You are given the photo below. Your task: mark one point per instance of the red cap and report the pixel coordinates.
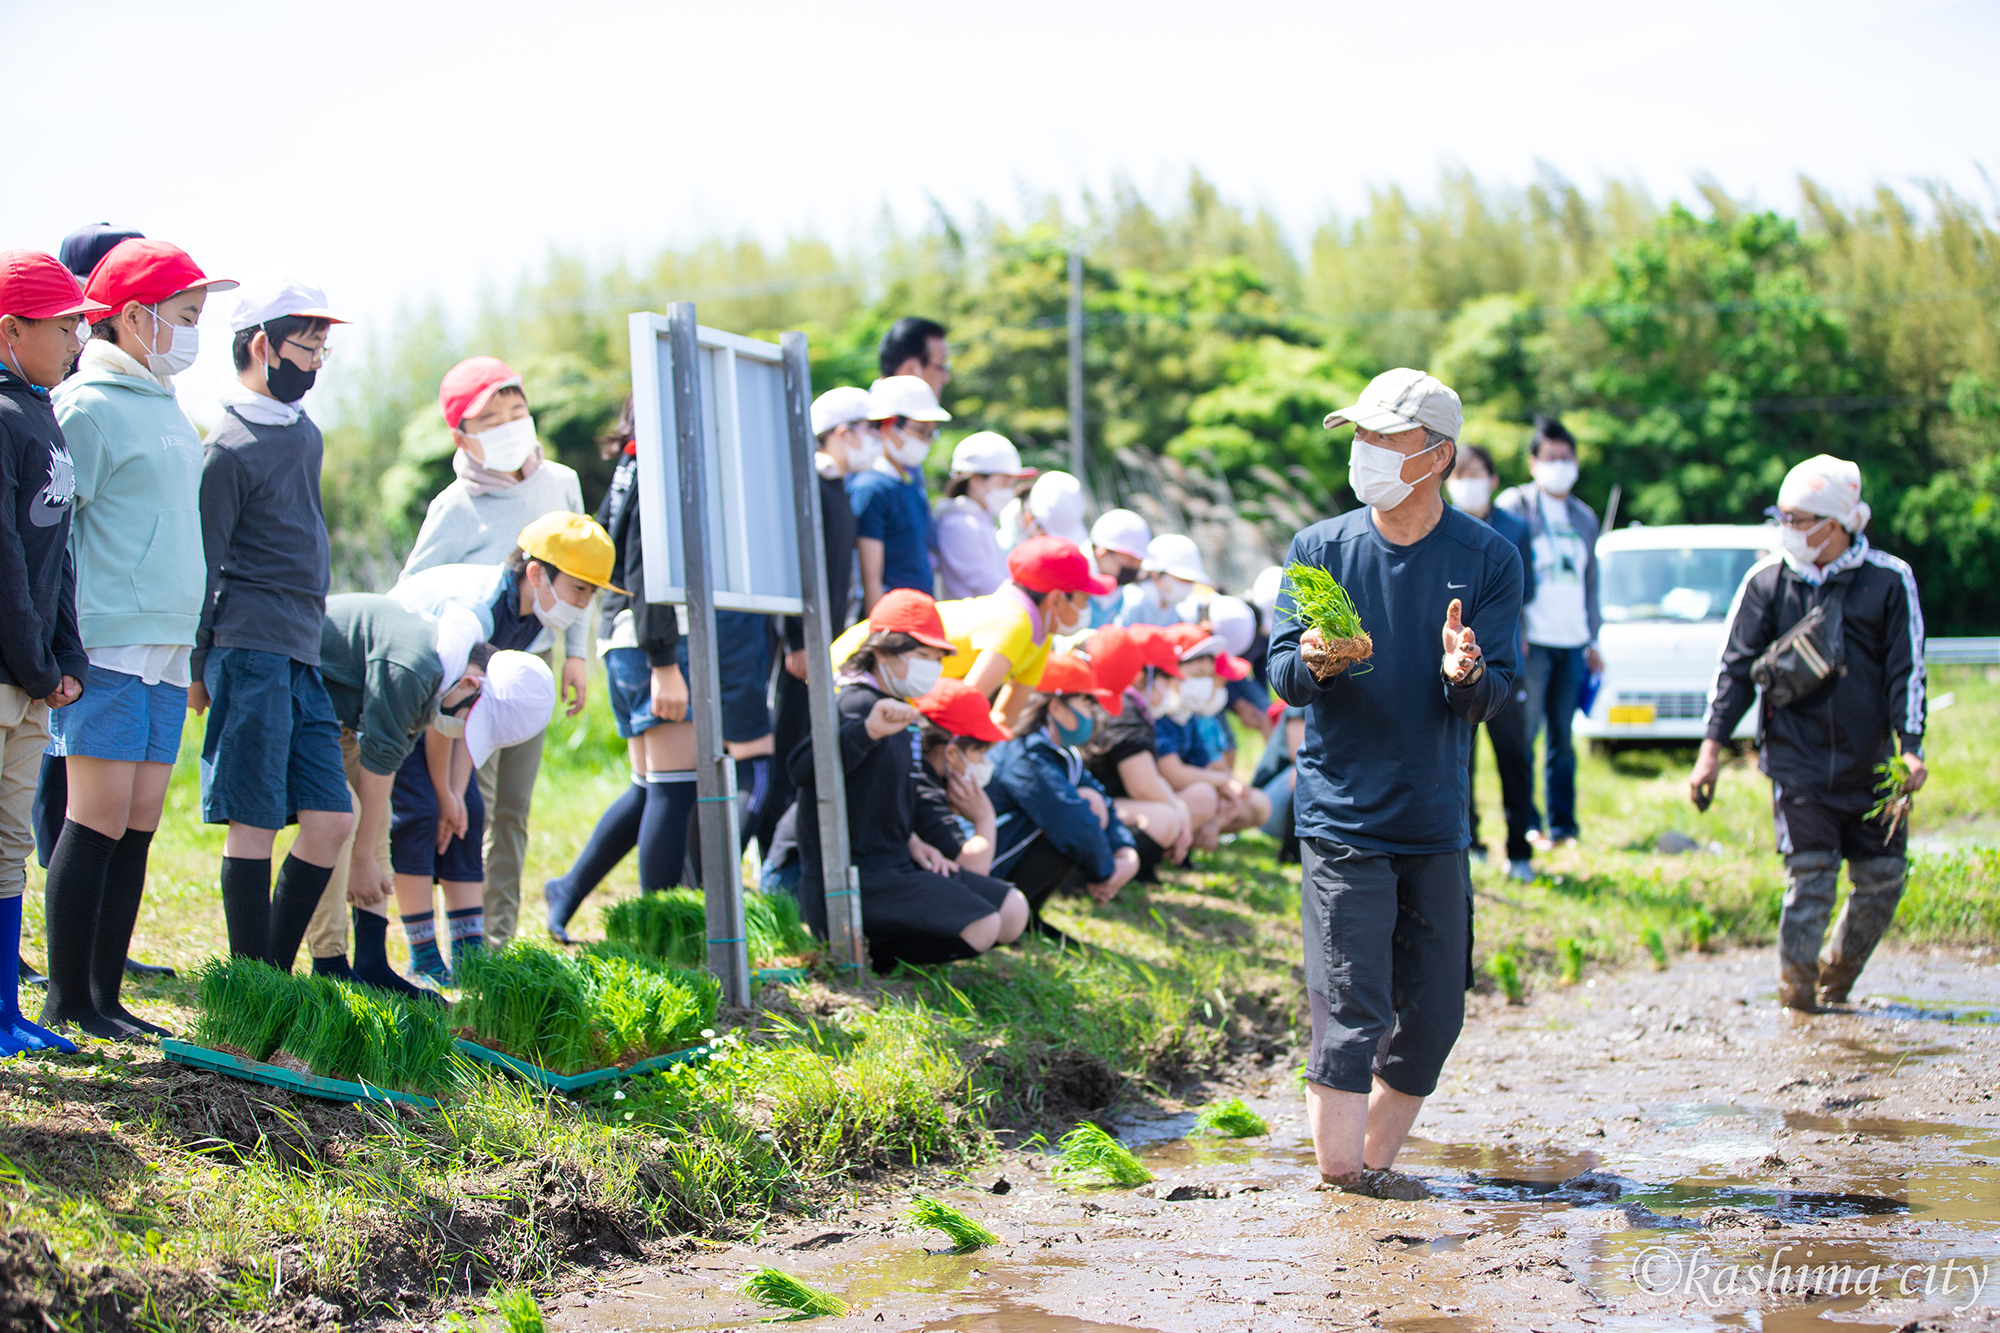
(1194, 641)
(961, 710)
(1117, 659)
(147, 272)
(36, 286)
(907, 611)
(1156, 649)
(470, 383)
(1055, 564)
(1065, 674)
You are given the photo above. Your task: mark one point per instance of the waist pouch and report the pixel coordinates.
(1805, 657)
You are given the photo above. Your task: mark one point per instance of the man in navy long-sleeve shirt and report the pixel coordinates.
(1380, 792)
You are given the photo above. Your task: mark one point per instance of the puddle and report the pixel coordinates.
(1927, 1011)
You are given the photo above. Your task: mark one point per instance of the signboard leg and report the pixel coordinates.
(715, 773)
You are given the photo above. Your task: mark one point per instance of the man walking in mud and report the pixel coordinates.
(1833, 632)
(1380, 793)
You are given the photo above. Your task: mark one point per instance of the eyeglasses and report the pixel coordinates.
(1796, 522)
(317, 355)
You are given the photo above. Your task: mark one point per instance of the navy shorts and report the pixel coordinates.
(273, 744)
(628, 680)
(121, 717)
(743, 650)
(413, 827)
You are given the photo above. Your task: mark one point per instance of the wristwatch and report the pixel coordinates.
(1472, 677)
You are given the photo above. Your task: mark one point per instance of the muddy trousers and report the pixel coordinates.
(1804, 971)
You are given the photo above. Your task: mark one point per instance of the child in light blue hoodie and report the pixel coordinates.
(140, 576)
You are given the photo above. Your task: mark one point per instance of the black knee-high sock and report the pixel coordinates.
(118, 912)
(663, 829)
(617, 833)
(753, 779)
(371, 957)
(300, 886)
(246, 905)
(72, 899)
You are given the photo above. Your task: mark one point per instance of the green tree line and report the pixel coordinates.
(1698, 349)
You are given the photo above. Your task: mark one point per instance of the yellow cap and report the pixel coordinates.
(574, 544)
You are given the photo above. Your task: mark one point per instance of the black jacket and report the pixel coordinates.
(39, 640)
(837, 524)
(1825, 746)
(657, 628)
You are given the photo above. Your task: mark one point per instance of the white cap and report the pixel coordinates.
(1829, 487)
(513, 705)
(986, 452)
(839, 407)
(1171, 553)
(457, 629)
(1401, 399)
(904, 396)
(1264, 592)
(1233, 622)
(1122, 531)
(261, 302)
(1055, 502)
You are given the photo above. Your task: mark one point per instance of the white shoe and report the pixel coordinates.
(1524, 871)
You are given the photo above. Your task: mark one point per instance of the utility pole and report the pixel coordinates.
(1076, 449)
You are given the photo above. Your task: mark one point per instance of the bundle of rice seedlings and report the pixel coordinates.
(1892, 791)
(773, 929)
(674, 926)
(1506, 973)
(643, 1006)
(519, 1311)
(244, 1004)
(1321, 603)
(788, 1293)
(606, 1005)
(330, 1032)
(1088, 1151)
(1569, 956)
(1656, 945)
(1700, 928)
(1231, 1119)
(964, 1233)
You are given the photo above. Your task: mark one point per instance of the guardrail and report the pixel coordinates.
(1962, 652)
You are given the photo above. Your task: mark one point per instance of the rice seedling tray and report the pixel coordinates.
(310, 1085)
(782, 976)
(534, 1073)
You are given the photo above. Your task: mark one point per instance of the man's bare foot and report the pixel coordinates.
(1373, 1184)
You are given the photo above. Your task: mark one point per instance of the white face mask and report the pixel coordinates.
(1470, 493)
(979, 770)
(1555, 475)
(1799, 547)
(864, 446)
(997, 498)
(183, 345)
(447, 725)
(908, 451)
(1199, 695)
(559, 616)
(919, 675)
(1176, 705)
(1376, 474)
(1171, 590)
(506, 447)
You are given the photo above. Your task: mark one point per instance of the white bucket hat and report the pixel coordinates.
(1122, 531)
(1171, 553)
(904, 396)
(513, 705)
(1056, 502)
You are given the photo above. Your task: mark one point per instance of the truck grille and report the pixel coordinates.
(1666, 704)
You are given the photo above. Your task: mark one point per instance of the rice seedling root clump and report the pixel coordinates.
(1231, 1119)
(774, 1287)
(964, 1233)
(1320, 601)
(1087, 1152)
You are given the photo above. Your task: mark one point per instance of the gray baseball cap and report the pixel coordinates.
(1400, 399)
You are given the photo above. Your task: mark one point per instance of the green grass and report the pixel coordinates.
(1231, 1120)
(1090, 1155)
(571, 1012)
(786, 1292)
(964, 1234)
(674, 926)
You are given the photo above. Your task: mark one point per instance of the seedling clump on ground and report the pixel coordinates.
(1506, 974)
(572, 1012)
(674, 926)
(1700, 926)
(1231, 1119)
(788, 1293)
(1322, 604)
(1570, 960)
(1656, 945)
(964, 1233)
(1088, 1151)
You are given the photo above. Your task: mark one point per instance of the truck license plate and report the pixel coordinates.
(1631, 715)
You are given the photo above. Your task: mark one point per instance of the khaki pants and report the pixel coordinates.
(24, 734)
(326, 937)
(507, 784)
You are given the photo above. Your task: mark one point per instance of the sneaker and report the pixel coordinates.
(1522, 871)
(555, 892)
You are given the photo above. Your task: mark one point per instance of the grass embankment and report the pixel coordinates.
(136, 1193)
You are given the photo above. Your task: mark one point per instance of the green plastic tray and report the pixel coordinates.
(311, 1085)
(575, 1082)
(781, 975)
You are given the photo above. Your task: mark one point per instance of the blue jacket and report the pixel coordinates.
(1034, 794)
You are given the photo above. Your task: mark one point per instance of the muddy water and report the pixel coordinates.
(1651, 1151)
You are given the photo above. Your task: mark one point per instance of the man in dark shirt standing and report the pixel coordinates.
(1380, 794)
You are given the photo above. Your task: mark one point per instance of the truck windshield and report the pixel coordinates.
(1693, 583)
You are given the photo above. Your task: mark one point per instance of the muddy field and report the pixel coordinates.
(1650, 1150)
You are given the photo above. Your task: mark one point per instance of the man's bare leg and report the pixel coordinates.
(1353, 1133)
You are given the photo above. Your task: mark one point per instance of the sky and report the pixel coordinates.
(396, 152)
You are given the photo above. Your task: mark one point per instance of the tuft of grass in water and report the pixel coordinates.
(1505, 970)
(781, 1289)
(674, 926)
(1322, 603)
(519, 1311)
(1231, 1119)
(341, 1030)
(606, 1005)
(964, 1233)
(1700, 927)
(1569, 954)
(1656, 945)
(245, 1004)
(1088, 1151)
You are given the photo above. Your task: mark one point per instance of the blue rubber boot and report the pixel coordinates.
(17, 1034)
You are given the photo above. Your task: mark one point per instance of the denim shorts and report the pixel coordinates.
(272, 747)
(413, 826)
(121, 717)
(743, 650)
(628, 680)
